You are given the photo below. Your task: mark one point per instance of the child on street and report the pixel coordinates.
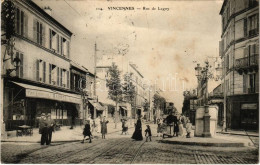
(148, 133)
(87, 132)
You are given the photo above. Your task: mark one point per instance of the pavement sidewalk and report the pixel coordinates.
(65, 134)
(238, 132)
(219, 140)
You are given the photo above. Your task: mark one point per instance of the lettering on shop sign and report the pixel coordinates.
(51, 96)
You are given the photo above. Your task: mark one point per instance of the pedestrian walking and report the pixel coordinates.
(103, 124)
(43, 129)
(87, 132)
(176, 126)
(188, 128)
(124, 126)
(97, 124)
(148, 133)
(50, 125)
(137, 135)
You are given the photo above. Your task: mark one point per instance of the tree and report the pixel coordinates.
(129, 89)
(114, 85)
(159, 102)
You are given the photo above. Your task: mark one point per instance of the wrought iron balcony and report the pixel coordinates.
(247, 61)
(247, 64)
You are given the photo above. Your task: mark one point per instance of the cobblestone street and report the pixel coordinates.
(118, 149)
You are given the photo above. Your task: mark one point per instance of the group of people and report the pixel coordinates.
(137, 135)
(178, 125)
(98, 125)
(46, 127)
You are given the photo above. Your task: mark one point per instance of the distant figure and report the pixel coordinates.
(87, 132)
(103, 124)
(154, 119)
(97, 124)
(137, 135)
(148, 133)
(125, 126)
(181, 129)
(43, 129)
(159, 127)
(176, 126)
(188, 128)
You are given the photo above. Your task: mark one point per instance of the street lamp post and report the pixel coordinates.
(203, 76)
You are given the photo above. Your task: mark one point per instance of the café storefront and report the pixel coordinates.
(24, 104)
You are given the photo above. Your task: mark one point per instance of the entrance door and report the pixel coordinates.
(249, 119)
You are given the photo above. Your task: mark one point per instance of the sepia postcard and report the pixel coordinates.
(129, 81)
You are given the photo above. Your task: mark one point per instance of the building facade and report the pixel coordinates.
(239, 51)
(40, 83)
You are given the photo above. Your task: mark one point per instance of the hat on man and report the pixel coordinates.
(43, 114)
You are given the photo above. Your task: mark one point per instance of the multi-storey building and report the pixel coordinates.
(140, 98)
(40, 83)
(239, 51)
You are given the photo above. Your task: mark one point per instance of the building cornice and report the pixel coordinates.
(40, 11)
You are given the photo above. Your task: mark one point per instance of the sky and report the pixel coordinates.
(165, 45)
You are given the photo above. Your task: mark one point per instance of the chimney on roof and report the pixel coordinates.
(48, 10)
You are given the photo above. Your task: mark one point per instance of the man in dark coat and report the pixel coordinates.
(43, 129)
(50, 125)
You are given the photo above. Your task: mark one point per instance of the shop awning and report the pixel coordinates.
(97, 105)
(45, 93)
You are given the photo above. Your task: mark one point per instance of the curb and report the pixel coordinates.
(233, 144)
(230, 133)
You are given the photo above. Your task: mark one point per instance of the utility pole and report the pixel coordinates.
(95, 76)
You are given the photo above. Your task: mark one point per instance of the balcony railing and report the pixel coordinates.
(247, 61)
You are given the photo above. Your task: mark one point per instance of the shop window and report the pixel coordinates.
(59, 114)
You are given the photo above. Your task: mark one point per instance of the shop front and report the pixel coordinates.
(99, 108)
(24, 104)
(243, 112)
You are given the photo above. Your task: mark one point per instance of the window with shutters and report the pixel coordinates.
(53, 74)
(252, 82)
(245, 27)
(50, 70)
(53, 40)
(58, 76)
(19, 70)
(68, 79)
(64, 47)
(245, 83)
(41, 71)
(253, 25)
(21, 22)
(39, 32)
(64, 78)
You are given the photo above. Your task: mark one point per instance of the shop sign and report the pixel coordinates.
(51, 96)
(249, 106)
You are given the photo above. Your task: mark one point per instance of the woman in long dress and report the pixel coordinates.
(180, 128)
(138, 130)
